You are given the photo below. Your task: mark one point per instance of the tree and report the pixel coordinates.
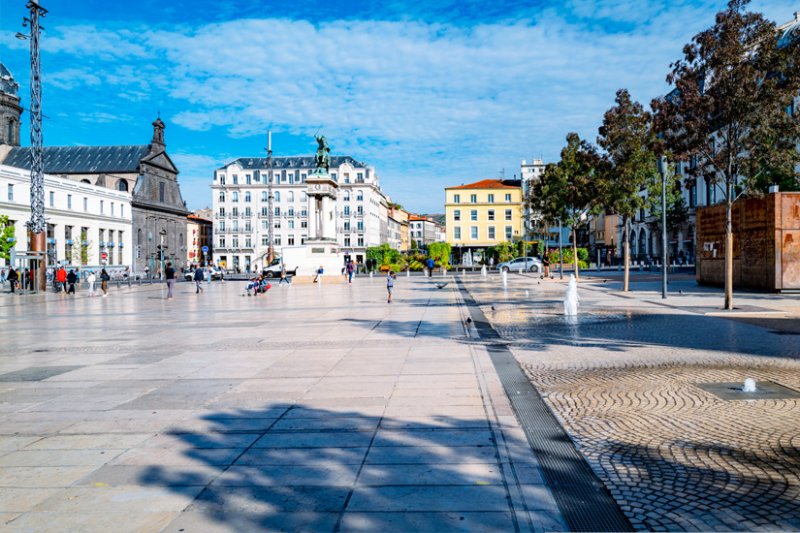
(566, 190)
(630, 164)
(729, 108)
(6, 237)
(440, 253)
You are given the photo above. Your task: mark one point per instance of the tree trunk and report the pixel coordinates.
(575, 253)
(729, 244)
(626, 260)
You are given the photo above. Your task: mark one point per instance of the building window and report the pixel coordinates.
(161, 189)
(277, 240)
(235, 179)
(235, 212)
(290, 196)
(360, 241)
(491, 234)
(235, 198)
(248, 212)
(491, 214)
(473, 198)
(222, 225)
(508, 233)
(456, 233)
(277, 196)
(457, 215)
(347, 242)
(360, 225)
(222, 211)
(265, 211)
(10, 192)
(360, 210)
(359, 196)
(347, 197)
(235, 241)
(222, 241)
(473, 214)
(85, 204)
(102, 207)
(247, 179)
(290, 240)
(473, 233)
(508, 198)
(508, 214)
(277, 224)
(347, 225)
(277, 211)
(69, 202)
(264, 196)
(491, 198)
(122, 210)
(248, 240)
(52, 199)
(304, 224)
(347, 210)
(693, 194)
(290, 224)
(221, 196)
(222, 179)
(456, 198)
(122, 185)
(247, 197)
(112, 209)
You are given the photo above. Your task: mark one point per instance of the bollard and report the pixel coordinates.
(408, 273)
(505, 278)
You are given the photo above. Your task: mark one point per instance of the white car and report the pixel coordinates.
(528, 264)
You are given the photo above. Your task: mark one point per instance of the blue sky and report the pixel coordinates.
(431, 93)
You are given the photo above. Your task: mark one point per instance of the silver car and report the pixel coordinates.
(528, 264)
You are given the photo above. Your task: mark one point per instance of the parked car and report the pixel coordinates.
(529, 264)
(216, 274)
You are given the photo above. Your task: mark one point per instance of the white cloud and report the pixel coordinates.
(429, 104)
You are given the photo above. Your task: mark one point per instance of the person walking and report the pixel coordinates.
(430, 264)
(351, 268)
(104, 279)
(169, 274)
(198, 280)
(91, 279)
(546, 265)
(72, 278)
(12, 278)
(61, 279)
(390, 277)
(284, 278)
(318, 277)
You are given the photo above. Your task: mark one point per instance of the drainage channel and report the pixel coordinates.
(582, 498)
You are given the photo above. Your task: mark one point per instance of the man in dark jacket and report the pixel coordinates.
(169, 274)
(12, 278)
(198, 279)
(72, 278)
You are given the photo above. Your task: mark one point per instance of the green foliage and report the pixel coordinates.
(568, 188)
(80, 253)
(384, 255)
(502, 252)
(630, 160)
(6, 237)
(415, 266)
(440, 253)
(583, 257)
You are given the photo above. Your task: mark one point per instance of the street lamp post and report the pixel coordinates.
(270, 200)
(662, 163)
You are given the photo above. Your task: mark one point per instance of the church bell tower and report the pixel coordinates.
(10, 110)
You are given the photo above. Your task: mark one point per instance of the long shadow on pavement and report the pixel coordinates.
(303, 468)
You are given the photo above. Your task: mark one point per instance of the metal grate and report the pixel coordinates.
(582, 498)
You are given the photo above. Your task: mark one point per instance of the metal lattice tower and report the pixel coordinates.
(37, 223)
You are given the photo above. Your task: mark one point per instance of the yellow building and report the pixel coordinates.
(482, 214)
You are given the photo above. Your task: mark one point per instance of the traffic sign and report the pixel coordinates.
(103, 255)
(205, 249)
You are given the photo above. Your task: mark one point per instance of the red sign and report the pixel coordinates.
(103, 255)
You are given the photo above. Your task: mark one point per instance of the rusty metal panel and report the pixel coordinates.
(790, 259)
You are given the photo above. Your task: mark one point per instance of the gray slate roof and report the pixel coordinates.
(82, 159)
(293, 162)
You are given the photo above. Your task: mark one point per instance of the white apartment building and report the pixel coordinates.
(424, 230)
(87, 225)
(240, 196)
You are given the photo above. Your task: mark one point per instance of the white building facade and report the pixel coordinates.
(240, 196)
(87, 225)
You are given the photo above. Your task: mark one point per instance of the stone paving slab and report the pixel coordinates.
(312, 409)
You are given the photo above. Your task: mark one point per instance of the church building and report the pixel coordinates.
(145, 171)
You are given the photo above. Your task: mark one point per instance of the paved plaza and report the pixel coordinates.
(314, 408)
(323, 408)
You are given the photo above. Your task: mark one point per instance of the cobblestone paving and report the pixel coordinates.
(623, 382)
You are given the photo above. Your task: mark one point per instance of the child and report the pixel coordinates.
(318, 277)
(390, 277)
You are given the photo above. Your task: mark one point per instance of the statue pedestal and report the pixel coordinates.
(321, 249)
